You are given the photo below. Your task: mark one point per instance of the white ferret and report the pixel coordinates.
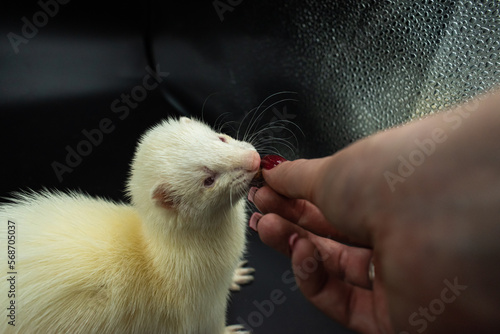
(163, 264)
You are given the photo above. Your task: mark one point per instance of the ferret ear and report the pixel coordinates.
(185, 120)
(162, 196)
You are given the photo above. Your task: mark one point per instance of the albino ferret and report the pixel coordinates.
(163, 264)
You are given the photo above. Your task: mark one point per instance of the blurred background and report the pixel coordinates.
(80, 81)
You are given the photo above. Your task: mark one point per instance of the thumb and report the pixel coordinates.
(296, 179)
(332, 185)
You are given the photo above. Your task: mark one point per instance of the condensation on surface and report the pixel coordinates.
(467, 62)
(379, 64)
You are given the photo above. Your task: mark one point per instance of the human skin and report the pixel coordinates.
(433, 234)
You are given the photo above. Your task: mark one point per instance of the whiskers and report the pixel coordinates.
(238, 189)
(271, 136)
(269, 127)
(220, 125)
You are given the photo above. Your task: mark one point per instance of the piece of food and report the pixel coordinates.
(267, 162)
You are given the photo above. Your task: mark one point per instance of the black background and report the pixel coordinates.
(340, 70)
(64, 80)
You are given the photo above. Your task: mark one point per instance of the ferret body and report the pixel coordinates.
(163, 264)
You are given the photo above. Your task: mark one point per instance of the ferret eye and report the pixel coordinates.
(209, 181)
(222, 139)
(210, 177)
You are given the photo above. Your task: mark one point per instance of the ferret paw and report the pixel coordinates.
(240, 329)
(242, 275)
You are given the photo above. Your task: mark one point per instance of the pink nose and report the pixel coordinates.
(255, 161)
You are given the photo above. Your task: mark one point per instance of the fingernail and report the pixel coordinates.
(271, 161)
(254, 219)
(292, 241)
(251, 193)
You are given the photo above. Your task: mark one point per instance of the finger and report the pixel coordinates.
(301, 212)
(310, 273)
(333, 184)
(275, 232)
(349, 264)
(297, 179)
(351, 306)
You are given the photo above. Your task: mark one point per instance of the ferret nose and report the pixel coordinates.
(255, 162)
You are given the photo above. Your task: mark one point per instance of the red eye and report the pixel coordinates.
(209, 181)
(210, 177)
(222, 139)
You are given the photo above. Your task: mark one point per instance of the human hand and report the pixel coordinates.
(421, 201)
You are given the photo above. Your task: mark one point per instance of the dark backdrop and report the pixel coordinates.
(329, 72)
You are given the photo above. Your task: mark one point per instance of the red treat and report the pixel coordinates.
(271, 161)
(267, 162)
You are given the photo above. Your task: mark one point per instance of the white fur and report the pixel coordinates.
(161, 265)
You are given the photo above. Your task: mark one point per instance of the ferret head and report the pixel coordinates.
(184, 168)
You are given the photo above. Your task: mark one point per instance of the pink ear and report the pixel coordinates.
(163, 197)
